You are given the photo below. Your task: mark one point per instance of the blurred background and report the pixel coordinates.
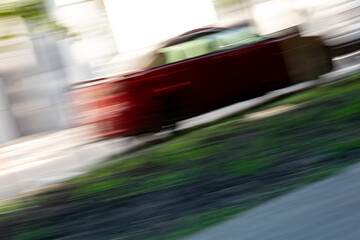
(46, 45)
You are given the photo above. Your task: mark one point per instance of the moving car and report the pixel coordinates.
(194, 73)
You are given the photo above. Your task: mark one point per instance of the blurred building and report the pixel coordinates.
(36, 69)
(107, 36)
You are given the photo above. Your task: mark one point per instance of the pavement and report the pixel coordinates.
(37, 161)
(50, 159)
(326, 210)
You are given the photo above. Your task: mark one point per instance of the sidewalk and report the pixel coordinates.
(53, 158)
(327, 210)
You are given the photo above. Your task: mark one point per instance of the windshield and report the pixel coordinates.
(202, 45)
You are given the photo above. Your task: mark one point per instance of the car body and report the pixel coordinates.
(195, 73)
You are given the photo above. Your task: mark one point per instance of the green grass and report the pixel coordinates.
(324, 172)
(15, 206)
(34, 233)
(201, 221)
(248, 166)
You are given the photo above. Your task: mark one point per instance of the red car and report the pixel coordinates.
(195, 73)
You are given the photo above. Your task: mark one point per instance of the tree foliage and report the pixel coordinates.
(34, 12)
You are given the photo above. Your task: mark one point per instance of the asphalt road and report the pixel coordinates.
(327, 210)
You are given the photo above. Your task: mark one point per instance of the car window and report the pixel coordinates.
(233, 38)
(204, 45)
(181, 52)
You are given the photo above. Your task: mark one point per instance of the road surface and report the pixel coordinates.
(326, 210)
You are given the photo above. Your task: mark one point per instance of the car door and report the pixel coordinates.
(257, 69)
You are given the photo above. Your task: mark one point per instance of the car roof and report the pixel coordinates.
(191, 35)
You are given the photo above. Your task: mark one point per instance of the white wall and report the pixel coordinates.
(141, 23)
